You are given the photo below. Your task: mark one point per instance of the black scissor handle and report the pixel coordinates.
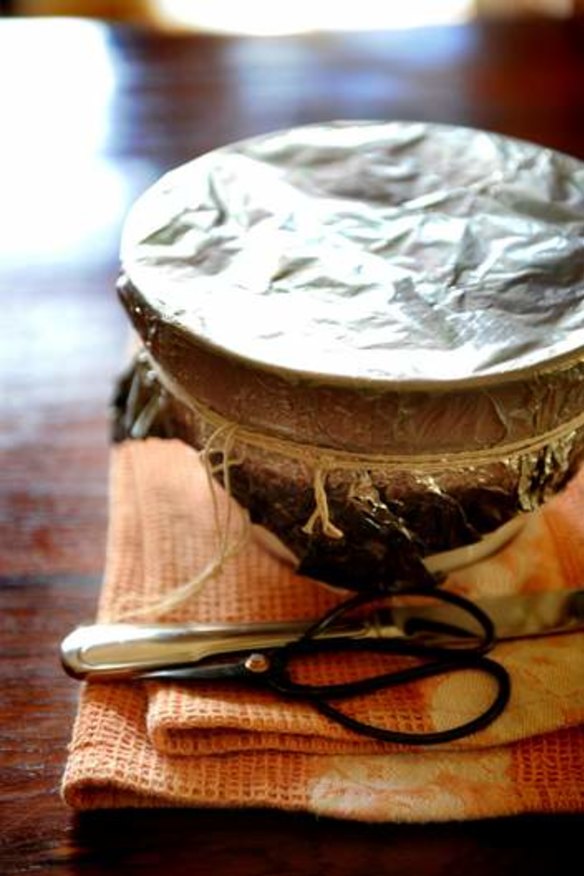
(435, 661)
(435, 737)
(479, 643)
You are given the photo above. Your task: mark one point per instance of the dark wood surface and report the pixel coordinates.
(88, 117)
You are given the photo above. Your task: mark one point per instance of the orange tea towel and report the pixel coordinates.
(215, 744)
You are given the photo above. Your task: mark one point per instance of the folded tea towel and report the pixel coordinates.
(217, 744)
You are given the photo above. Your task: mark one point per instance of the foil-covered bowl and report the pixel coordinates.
(386, 319)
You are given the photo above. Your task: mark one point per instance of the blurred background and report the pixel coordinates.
(264, 17)
(90, 115)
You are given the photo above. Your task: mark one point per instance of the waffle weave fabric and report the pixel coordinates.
(213, 744)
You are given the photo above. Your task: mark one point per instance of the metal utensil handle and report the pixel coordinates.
(128, 650)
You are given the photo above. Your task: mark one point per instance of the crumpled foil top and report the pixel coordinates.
(398, 252)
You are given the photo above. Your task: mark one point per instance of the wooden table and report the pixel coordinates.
(89, 116)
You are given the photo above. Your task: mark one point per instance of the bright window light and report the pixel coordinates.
(59, 190)
(266, 18)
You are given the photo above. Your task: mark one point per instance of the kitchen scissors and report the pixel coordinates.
(438, 648)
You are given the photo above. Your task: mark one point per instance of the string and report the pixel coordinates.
(329, 459)
(321, 512)
(228, 542)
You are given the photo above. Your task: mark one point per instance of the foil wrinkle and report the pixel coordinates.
(396, 251)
